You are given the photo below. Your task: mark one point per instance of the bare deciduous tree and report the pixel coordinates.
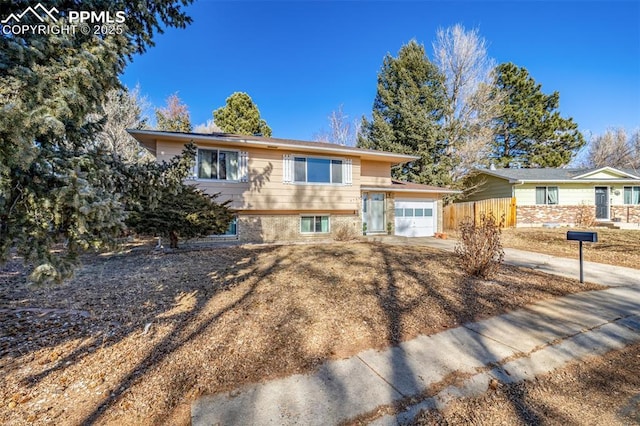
(208, 127)
(341, 130)
(614, 149)
(124, 109)
(175, 116)
(461, 56)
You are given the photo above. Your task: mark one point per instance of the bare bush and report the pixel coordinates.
(585, 216)
(479, 248)
(344, 232)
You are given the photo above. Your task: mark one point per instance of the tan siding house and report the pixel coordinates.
(295, 190)
(562, 195)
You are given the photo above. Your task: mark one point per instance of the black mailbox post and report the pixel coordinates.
(589, 237)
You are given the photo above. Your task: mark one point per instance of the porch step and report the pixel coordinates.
(610, 225)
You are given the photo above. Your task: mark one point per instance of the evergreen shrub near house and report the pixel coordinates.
(60, 194)
(188, 214)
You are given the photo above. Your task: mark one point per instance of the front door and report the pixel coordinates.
(373, 212)
(602, 202)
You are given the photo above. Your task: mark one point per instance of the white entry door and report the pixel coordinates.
(415, 218)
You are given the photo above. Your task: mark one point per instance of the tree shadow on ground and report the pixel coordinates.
(247, 281)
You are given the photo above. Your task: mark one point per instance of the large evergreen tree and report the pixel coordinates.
(407, 113)
(241, 116)
(530, 130)
(56, 185)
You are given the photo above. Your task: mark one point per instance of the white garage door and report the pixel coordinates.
(415, 218)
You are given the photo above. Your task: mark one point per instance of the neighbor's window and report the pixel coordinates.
(546, 195)
(317, 170)
(314, 224)
(632, 194)
(217, 164)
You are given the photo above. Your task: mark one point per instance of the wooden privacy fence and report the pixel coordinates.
(454, 213)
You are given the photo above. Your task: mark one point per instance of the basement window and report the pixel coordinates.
(314, 224)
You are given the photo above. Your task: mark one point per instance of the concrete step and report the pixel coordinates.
(610, 225)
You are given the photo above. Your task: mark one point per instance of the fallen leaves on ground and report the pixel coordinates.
(595, 391)
(136, 336)
(619, 247)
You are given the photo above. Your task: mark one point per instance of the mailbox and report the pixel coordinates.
(587, 237)
(582, 237)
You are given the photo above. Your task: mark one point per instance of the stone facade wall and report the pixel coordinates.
(568, 215)
(626, 214)
(272, 228)
(530, 215)
(390, 213)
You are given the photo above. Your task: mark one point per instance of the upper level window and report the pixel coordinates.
(632, 194)
(317, 170)
(218, 164)
(546, 195)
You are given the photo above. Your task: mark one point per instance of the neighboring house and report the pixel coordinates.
(560, 195)
(291, 190)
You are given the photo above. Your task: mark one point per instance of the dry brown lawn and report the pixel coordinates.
(595, 391)
(136, 336)
(615, 246)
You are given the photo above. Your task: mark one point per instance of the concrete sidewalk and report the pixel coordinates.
(600, 273)
(509, 348)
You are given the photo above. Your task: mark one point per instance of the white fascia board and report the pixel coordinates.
(606, 169)
(425, 191)
(401, 158)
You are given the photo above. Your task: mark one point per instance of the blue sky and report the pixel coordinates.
(299, 60)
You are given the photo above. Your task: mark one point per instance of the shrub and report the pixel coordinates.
(344, 232)
(586, 215)
(188, 214)
(479, 246)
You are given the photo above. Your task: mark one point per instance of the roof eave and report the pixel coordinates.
(602, 181)
(606, 168)
(491, 173)
(380, 155)
(426, 191)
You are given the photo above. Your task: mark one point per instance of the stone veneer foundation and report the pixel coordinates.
(539, 214)
(263, 228)
(626, 214)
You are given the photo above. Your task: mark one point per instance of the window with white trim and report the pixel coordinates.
(547, 195)
(314, 224)
(218, 164)
(316, 170)
(632, 195)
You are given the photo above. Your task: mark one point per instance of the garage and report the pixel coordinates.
(415, 218)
